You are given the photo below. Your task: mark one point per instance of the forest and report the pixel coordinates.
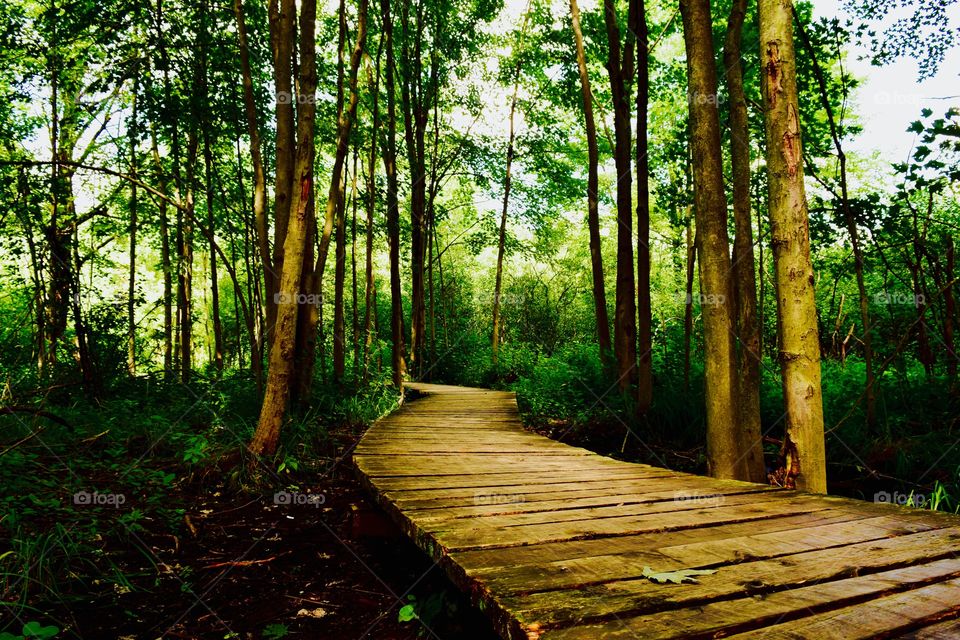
(232, 233)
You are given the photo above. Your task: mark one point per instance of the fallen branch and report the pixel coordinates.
(242, 563)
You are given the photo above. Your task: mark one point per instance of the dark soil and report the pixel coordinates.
(241, 566)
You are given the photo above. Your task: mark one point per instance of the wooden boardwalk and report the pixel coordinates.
(551, 541)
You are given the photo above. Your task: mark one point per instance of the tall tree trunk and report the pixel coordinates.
(502, 238)
(369, 312)
(644, 308)
(134, 204)
(165, 261)
(283, 18)
(266, 436)
(724, 449)
(688, 298)
(593, 185)
(259, 174)
(185, 278)
(950, 311)
(625, 323)
(340, 274)
(214, 279)
(851, 224)
(334, 201)
(803, 463)
(355, 327)
(393, 206)
(924, 353)
(415, 111)
(745, 282)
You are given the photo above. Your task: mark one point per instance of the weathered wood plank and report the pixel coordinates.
(738, 615)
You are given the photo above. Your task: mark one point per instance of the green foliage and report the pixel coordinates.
(32, 631)
(275, 631)
(426, 611)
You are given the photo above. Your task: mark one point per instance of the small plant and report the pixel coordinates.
(32, 631)
(426, 611)
(275, 631)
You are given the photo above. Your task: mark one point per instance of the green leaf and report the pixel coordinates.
(676, 577)
(407, 613)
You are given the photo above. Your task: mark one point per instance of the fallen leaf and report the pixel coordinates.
(676, 577)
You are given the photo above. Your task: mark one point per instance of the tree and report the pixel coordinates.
(744, 281)
(724, 446)
(266, 436)
(593, 184)
(624, 323)
(803, 463)
(501, 238)
(393, 206)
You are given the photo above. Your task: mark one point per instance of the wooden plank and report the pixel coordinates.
(541, 554)
(879, 618)
(607, 567)
(764, 576)
(465, 536)
(948, 630)
(742, 614)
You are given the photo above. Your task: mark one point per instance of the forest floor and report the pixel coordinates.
(242, 566)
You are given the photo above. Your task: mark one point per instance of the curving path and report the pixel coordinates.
(551, 541)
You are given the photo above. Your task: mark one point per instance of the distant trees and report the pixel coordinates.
(209, 206)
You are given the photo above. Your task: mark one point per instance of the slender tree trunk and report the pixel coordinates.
(593, 185)
(369, 312)
(393, 206)
(745, 282)
(334, 201)
(924, 352)
(266, 436)
(214, 279)
(185, 278)
(340, 274)
(803, 463)
(724, 449)
(950, 312)
(132, 273)
(165, 262)
(355, 326)
(415, 101)
(688, 299)
(259, 175)
(283, 18)
(644, 308)
(502, 238)
(625, 323)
